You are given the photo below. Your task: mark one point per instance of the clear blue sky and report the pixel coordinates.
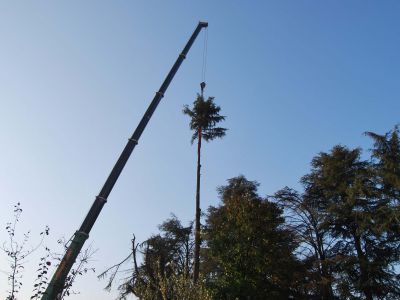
(293, 78)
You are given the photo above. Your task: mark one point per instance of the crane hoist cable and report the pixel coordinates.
(204, 63)
(205, 50)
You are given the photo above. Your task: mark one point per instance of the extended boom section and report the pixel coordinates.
(56, 284)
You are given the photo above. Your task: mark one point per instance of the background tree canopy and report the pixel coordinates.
(336, 239)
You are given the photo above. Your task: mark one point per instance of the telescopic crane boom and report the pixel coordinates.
(56, 284)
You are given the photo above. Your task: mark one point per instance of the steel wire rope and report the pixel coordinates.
(205, 53)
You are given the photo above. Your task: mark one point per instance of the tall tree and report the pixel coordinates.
(249, 252)
(386, 169)
(347, 220)
(347, 189)
(204, 117)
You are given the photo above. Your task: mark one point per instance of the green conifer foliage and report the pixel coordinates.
(250, 254)
(363, 256)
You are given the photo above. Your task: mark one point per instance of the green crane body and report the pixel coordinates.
(57, 282)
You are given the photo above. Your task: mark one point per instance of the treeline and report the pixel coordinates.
(338, 238)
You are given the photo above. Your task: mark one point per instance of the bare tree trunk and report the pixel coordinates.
(327, 291)
(326, 287)
(197, 241)
(363, 263)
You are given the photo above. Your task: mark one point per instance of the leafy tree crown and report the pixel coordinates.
(205, 116)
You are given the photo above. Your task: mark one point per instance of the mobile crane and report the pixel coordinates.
(57, 282)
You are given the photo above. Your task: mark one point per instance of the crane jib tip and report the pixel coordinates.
(203, 24)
